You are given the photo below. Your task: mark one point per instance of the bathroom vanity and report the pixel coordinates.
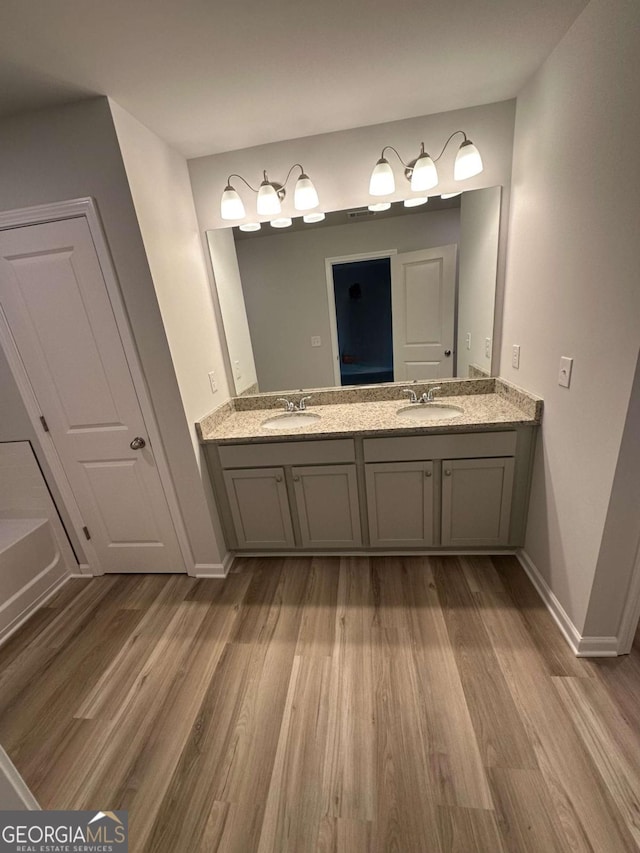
(368, 474)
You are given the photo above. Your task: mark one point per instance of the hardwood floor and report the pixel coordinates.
(335, 705)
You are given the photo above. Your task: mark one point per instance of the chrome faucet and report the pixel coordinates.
(411, 393)
(288, 405)
(428, 397)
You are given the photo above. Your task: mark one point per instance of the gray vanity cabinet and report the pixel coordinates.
(476, 501)
(400, 504)
(259, 507)
(326, 498)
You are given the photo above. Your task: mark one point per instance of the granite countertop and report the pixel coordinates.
(500, 405)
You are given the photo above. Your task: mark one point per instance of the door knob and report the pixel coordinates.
(447, 352)
(138, 443)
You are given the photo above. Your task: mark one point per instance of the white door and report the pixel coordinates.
(56, 303)
(423, 301)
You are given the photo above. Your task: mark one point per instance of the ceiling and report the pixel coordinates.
(209, 76)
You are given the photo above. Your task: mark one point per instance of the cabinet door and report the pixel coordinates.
(259, 506)
(327, 502)
(476, 501)
(400, 503)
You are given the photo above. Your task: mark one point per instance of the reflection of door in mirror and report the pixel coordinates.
(394, 316)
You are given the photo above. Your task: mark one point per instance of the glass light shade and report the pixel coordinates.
(313, 217)
(451, 195)
(416, 202)
(305, 196)
(468, 162)
(250, 226)
(231, 206)
(382, 181)
(380, 206)
(425, 174)
(284, 222)
(268, 200)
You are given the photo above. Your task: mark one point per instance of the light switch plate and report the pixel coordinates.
(487, 347)
(564, 374)
(316, 341)
(515, 356)
(212, 382)
(468, 340)
(236, 369)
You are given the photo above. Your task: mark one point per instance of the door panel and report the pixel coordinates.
(476, 501)
(260, 508)
(56, 302)
(423, 299)
(327, 502)
(400, 503)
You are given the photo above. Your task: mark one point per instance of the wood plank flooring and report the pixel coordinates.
(337, 705)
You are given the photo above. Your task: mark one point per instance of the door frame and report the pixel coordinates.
(331, 298)
(73, 209)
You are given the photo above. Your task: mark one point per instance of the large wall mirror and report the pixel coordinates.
(361, 298)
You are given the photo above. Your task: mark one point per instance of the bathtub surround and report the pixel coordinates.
(35, 555)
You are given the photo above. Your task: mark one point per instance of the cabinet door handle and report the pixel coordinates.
(447, 473)
(427, 473)
(278, 479)
(296, 479)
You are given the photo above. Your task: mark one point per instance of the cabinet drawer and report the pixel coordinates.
(450, 446)
(287, 453)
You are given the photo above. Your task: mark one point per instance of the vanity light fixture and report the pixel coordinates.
(381, 205)
(270, 195)
(422, 172)
(250, 226)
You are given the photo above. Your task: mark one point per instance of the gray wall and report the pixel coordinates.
(572, 290)
(285, 288)
(71, 152)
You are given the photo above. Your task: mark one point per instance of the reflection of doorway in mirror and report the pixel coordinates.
(362, 294)
(392, 315)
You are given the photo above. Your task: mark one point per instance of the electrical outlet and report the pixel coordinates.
(487, 347)
(236, 370)
(515, 356)
(468, 340)
(564, 374)
(212, 382)
(316, 341)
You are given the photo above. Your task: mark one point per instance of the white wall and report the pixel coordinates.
(71, 152)
(226, 273)
(161, 192)
(340, 163)
(478, 260)
(572, 283)
(285, 288)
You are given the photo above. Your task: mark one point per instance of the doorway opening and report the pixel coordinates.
(362, 294)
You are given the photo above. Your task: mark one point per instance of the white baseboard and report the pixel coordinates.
(580, 646)
(18, 609)
(215, 570)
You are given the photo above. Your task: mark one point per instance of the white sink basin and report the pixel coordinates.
(286, 420)
(428, 412)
